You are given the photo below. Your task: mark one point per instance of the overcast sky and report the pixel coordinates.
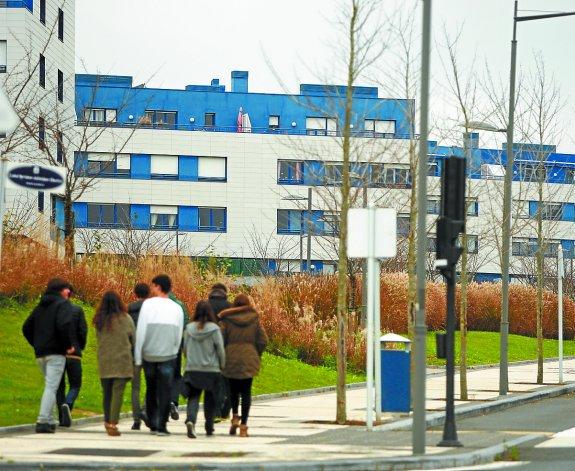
(172, 43)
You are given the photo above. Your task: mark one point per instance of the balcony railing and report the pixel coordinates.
(28, 4)
(254, 130)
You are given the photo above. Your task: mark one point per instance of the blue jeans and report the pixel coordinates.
(159, 381)
(52, 368)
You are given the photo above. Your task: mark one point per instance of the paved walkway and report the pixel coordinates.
(283, 430)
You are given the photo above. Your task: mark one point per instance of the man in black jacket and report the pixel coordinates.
(142, 292)
(73, 369)
(48, 330)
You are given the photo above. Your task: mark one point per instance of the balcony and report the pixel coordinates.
(28, 4)
(233, 129)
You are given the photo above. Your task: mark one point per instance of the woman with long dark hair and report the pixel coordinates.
(116, 335)
(205, 357)
(245, 340)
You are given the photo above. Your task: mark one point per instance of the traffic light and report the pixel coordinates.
(451, 221)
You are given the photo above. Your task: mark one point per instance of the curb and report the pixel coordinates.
(437, 418)
(12, 429)
(471, 458)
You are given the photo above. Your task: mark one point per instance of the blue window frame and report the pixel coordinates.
(108, 215)
(290, 172)
(164, 221)
(433, 205)
(160, 119)
(212, 219)
(472, 207)
(289, 221)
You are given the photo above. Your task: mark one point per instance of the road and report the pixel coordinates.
(553, 419)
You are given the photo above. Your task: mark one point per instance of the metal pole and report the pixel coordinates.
(370, 313)
(420, 329)
(309, 229)
(364, 275)
(376, 336)
(301, 247)
(506, 232)
(3, 162)
(449, 428)
(560, 273)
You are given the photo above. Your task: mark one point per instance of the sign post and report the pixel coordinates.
(560, 273)
(372, 234)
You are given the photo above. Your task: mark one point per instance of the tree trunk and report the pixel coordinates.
(69, 247)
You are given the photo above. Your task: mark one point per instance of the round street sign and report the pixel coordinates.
(35, 177)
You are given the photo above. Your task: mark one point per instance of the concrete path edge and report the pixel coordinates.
(472, 458)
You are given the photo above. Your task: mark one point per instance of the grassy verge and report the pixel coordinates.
(483, 348)
(21, 382)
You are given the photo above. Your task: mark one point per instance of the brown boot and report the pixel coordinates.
(243, 431)
(112, 430)
(235, 424)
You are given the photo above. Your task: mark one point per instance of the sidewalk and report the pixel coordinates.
(287, 433)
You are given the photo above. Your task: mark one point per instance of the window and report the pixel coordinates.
(333, 173)
(164, 217)
(472, 244)
(274, 122)
(433, 205)
(40, 201)
(60, 25)
(403, 225)
(290, 171)
(552, 211)
(212, 219)
(532, 172)
(330, 223)
(212, 168)
(42, 71)
(432, 244)
(3, 56)
(60, 86)
(524, 247)
(472, 207)
(60, 147)
(43, 12)
(289, 221)
(569, 175)
(100, 115)
(210, 119)
(432, 168)
(41, 133)
(390, 175)
(164, 167)
(157, 118)
(321, 126)
(492, 172)
(108, 215)
(107, 165)
(379, 126)
(520, 209)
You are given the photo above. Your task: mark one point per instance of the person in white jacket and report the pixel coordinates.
(158, 339)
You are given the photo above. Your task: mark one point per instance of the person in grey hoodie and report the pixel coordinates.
(205, 358)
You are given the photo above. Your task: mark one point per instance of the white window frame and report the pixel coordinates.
(3, 55)
(274, 121)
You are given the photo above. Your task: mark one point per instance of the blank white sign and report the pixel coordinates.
(385, 233)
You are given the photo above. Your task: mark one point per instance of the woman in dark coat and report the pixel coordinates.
(245, 341)
(116, 335)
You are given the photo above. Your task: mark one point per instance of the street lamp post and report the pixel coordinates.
(506, 232)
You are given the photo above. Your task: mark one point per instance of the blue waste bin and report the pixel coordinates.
(395, 374)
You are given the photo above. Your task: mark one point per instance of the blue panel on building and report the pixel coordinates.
(533, 208)
(188, 168)
(80, 214)
(140, 216)
(569, 212)
(81, 163)
(313, 173)
(141, 166)
(188, 217)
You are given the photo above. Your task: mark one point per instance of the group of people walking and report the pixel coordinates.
(221, 349)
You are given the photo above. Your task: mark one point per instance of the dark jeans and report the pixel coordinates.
(241, 388)
(194, 405)
(159, 382)
(178, 382)
(226, 405)
(113, 395)
(136, 381)
(73, 371)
